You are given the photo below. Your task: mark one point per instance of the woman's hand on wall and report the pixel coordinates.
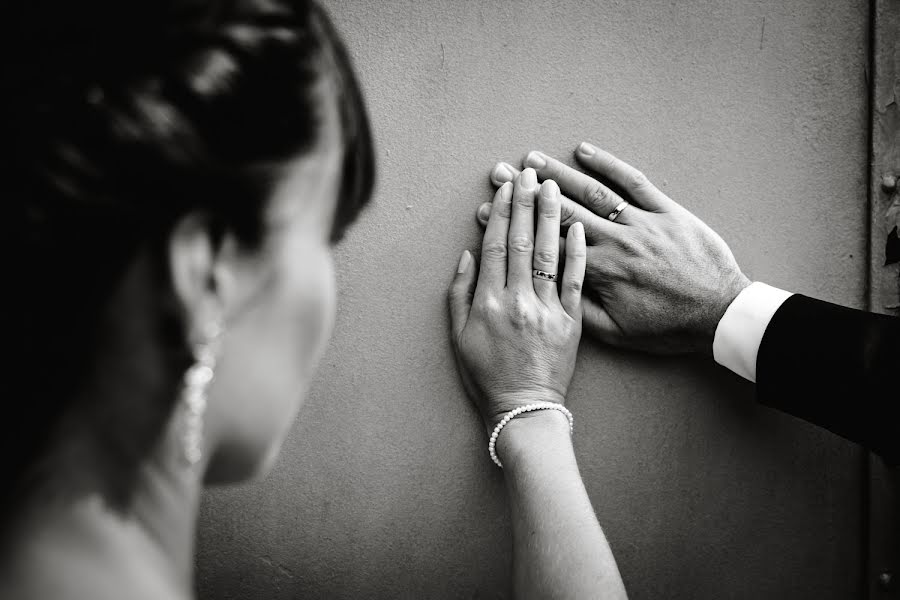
(658, 278)
(515, 334)
(516, 337)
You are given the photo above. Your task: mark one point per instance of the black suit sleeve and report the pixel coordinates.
(836, 367)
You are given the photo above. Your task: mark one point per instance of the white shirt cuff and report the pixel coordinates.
(741, 329)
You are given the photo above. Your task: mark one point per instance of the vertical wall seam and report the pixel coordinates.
(867, 457)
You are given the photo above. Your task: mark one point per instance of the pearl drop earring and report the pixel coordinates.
(194, 395)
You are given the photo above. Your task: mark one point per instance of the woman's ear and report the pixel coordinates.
(202, 267)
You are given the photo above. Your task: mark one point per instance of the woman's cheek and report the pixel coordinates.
(329, 311)
(313, 302)
(308, 314)
(268, 363)
(320, 299)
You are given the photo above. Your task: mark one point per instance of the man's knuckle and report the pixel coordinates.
(597, 195)
(637, 180)
(634, 250)
(566, 214)
(628, 246)
(607, 163)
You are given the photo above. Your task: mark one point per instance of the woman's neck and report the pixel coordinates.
(90, 550)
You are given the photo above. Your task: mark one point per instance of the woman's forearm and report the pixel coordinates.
(559, 550)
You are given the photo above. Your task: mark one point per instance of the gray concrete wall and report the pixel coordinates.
(752, 114)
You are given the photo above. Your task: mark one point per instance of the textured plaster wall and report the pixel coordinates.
(750, 113)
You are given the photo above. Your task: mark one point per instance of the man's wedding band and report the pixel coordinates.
(617, 211)
(537, 273)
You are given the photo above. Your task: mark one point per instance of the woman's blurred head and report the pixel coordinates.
(173, 164)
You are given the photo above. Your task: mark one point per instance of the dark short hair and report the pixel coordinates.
(121, 117)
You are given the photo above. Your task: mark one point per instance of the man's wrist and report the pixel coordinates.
(741, 329)
(729, 291)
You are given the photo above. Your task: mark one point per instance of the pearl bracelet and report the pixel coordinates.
(492, 444)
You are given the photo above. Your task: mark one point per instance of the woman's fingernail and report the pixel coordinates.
(502, 173)
(484, 211)
(549, 189)
(535, 160)
(586, 149)
(528, 179)
(464, 261)
(578, 230)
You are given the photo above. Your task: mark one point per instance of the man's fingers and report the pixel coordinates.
(493, 247)
(573, 278)
(628, 178)
(502, 173)
(582, 188)
(546, 240)
(520, 243)
(595, 227)
(460, 295)
(483, 213)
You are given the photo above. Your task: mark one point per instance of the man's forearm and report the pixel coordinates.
(833, 366)
(559, 550)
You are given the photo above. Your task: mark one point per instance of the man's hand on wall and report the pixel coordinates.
(658, 278)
